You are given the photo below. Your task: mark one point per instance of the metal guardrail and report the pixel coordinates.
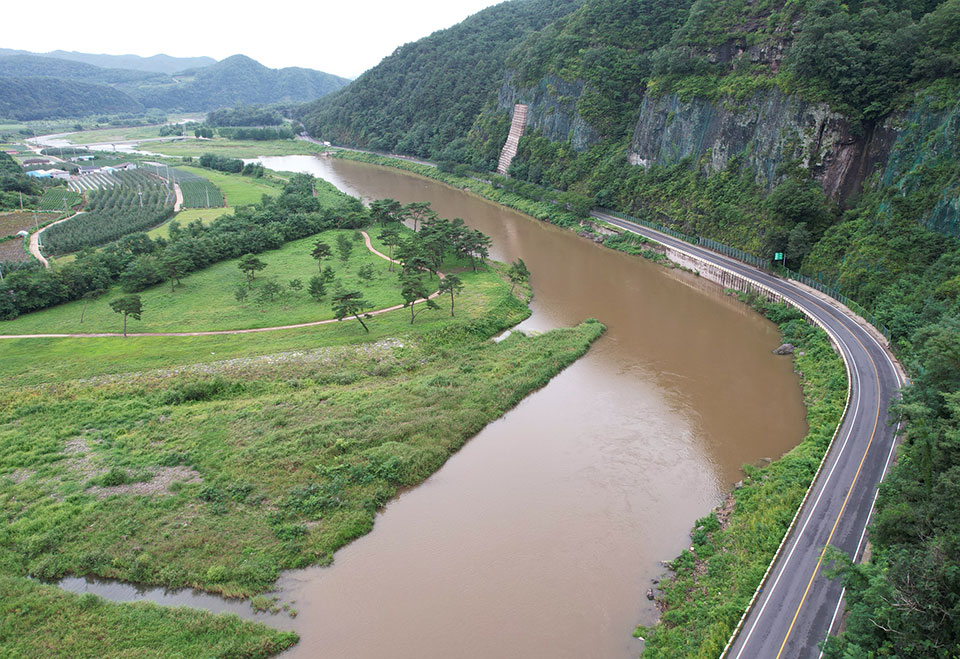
(835, 293)
(763, 264)
(693, 240)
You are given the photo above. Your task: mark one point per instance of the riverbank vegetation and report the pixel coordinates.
(220, 474)
(43, 621)
(216, 461)
(712, 583)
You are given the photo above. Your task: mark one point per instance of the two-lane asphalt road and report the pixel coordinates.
(797, 606)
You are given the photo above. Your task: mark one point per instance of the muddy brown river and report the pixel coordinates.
(540, 537)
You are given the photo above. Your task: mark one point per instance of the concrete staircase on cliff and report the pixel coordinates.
(513, 139)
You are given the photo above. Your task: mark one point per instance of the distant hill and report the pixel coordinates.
(32, 66)
(154, 64)
(41, 98)
(30, 86)
(239, 79)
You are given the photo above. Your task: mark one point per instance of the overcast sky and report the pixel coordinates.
(343, 37)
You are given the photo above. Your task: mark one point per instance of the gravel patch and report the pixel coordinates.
(158, 485)
(20, 475)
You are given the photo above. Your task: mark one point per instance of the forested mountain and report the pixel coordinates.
(424, 97)
(42, 98)
(239, 79)
(32, 66)
(829, 131)
(153, 64)
(38, 87)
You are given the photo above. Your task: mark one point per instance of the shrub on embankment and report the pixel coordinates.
(703, 600)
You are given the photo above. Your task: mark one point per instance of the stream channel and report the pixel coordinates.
(541, 536)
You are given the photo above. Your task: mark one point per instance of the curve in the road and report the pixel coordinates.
(35, 240)
(795, 606)
(366, 240)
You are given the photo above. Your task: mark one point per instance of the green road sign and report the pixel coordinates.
(778, 256)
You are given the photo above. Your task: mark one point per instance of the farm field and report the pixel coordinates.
(139, 201)
(11, 223)
(59, 199)
(198, 191)
(13, 251)
(206, 301)
(185, 217)
(237, 190)
(235, 148)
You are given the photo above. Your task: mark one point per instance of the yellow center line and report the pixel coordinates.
(816, 569)
(828, 309)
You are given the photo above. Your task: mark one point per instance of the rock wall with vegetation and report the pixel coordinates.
(767, 133)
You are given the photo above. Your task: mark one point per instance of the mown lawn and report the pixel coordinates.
(186, 216)
(237, 190)
(121, 134)
(206, 299)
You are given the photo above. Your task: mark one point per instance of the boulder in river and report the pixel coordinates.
(785, 349)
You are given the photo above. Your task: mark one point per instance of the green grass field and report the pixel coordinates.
(114, 134)
(205, 300)
(235, 148)
(185, 217)
(249, 454)
(253, 452)
(237, 190)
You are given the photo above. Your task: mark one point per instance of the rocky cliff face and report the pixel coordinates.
(766, 131)
(552, 110)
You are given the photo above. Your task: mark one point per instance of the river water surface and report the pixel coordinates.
(540, 537)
